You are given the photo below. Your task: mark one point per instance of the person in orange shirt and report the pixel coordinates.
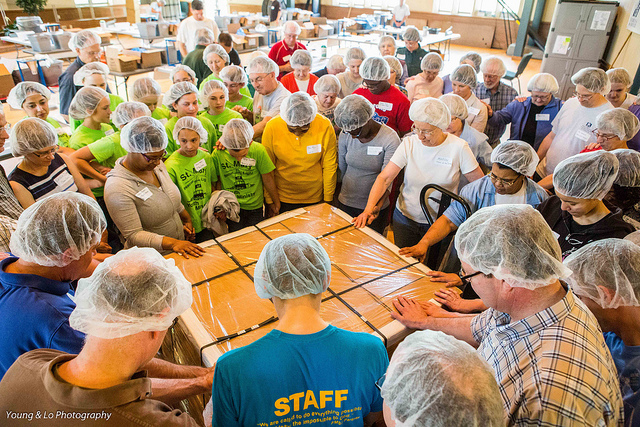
(300, 79)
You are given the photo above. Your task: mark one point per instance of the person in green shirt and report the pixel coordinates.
(182, 73)
(214, 95)
(235, 79)
(94, 74)
(245, 168)
(148, 91)
(413, 53)
(91, 106)
(182, 99)
(216, 58)
(204, 37)
(193, 172)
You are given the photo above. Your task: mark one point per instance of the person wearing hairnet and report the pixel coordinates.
(436, 380)
(530, 119)
(427, 83)
(140, 196)
(123, 312)
(365, 147)
(613, 129)
(189, 27)
(214, 95)
(246, 170)
(619, 95)
(235, 79)
(395, 69)
(470, 58)
(33, 98)
(576, 214)
(319, 368)
(634, 237)
(448, 157)
(9, 205)
(182, 99)
(86, 44)
(302, 145)
(327, 89)
(634, 143)
(463, 81)
(216, 59)
(195, 58)
(282, 51)
(625, 191)
(148, 91)
(90, 107)
(335, 65)
(391, 106)
(300, 79)
(514, 263)
(350, 79)
(612, 293)
(183, 73)
(387, 47)
(572, 129)
(412, 53)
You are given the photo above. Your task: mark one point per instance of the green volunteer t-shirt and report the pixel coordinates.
(115, 101)
(221, 119)
(82, 135)
(245, 101)
(161, 112)
(209, 145)
(243, 91)
(244, 179)
(194, 177)
(106, 151)
(63, 137)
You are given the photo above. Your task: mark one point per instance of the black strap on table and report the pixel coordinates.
(230, 255)
(364, 319)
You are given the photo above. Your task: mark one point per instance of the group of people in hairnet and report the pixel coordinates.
(545, 332)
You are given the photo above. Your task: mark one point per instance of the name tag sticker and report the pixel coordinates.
(144, 194)
(164, 121)
(400, 56)
(444, 161)
(542, 117)
(286, 58)
(313, 149)
(385, 106)
(473, 111)
(201, 164)
(582, 135)
(556, 235)
(109, 132)
(65, 179)
(221, 129)
(374, 151)
(248, 161)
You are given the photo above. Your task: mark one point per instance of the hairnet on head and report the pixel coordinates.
(464, 74)
(88, 69)
(233, 74)
(177, 91)
(191, 123)
(31, 134)
(353, 112)
(143, 135)
(586, 175)
(618, 121)
(292, 266)
(384, 39)
(394, 65)
(516, 155)
(633, 237)
(456, 105)
(473, 57)
(593, 79)
(205, 36)
(354, 54)
(262, 65)
(431, 61)
(619, 75)
(237, 134)
(218, 50)
(327, 84)
(428, 384)
(301, 58)
(85, 102)
(23, 90)
(144, 87)
(127, 111)
(291, 27)
(543, 82)
(211, 86)
(84, 38)
(298, 109)
(431, 111)
(335, 62)
(514, 244)
(411, 34)
(375, 68)
(493, 62)
(136, 290)
(185, 68)
(629, 168)
(611, 265)
(57, 230)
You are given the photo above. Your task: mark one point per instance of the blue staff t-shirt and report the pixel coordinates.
(627, 360)
(321, 379)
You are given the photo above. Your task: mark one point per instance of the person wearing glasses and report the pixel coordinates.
(140, 196)
(613, 129)
(429, 156)
(625, 191)
(305, 368)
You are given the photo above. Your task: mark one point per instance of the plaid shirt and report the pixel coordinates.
(9, 205)
(553, 368)
(498, 101)
(7, 227)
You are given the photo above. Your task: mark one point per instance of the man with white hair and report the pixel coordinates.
(547, 351)
(193, 60)
(281, 52)
(187, 30)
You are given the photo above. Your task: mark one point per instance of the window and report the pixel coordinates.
(491, 8)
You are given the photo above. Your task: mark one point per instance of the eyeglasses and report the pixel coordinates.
(469, 276)
(299, 129)
(47, 153)
(6, 127)
(585, 97)
(258, 80)
(380, 381)
(604, 136)
(154, 159)
(423, 131)
(541, 97)
(359, 130)
(502, 180)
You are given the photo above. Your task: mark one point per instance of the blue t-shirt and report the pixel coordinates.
(627, 360)
(34, 313)
(321, 379)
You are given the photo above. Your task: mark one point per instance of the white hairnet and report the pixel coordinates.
(205, 36)
(301, 58)
(292, 266)
(136, 290)
(394, 65)
(456, 105)
(298, 109)
(436, 380)
(262, 65)
(619, 75)
(84, 38)
(629, 168)
(375, 68)
(611, 265)
(22, 90)
(431, 61)
(237, 134)
(85, 102)
(618, 121)
(218, 50)
(185, 68)
(57, 230)
(593, 79)
(473, 57)
(177, 91)
(191, 123)
(493, 62)
(633, 237)
(431, 111)
(233, 74)
(586, 175)
(211, 86)
(384, 39)
(353, 112)
(516, 155)
(411, 34)
(291, 27)
(127, 111)
(464, 74)
(88, 69)
(543, 82)
(354, 54)
(335, 62)
(143, 135)
(514, 244)
(327, 84)
(31, 134)
(144, 87)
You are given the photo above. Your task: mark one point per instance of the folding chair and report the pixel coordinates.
(510, 75)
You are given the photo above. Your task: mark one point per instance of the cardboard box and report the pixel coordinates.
(233, 28)
(147, 58)
(318, 20)
(238, 42)
(162, 73)
(252, 40)
(323, 30)
(6, 81)
(118, 61)
(308, 31)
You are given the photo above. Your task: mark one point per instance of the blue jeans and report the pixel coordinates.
(407, 232)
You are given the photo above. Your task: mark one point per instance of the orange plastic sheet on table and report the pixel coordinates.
(247, 247)
(318, 221)
(213, 263)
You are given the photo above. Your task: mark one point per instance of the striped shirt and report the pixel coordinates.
(553, 368)
(9, 205)
(56, 180)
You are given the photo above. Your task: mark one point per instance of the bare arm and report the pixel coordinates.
(23, 195)
(546, 182)
(81, 159)
(77, 177)
(171, 382)
(438, 231)
(545, 144)
(383, 181)
(183, 49)
(285, 68)
(269, 183)
(258, 128)
(474, 174)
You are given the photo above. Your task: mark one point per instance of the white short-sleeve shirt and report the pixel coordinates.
(188, 27)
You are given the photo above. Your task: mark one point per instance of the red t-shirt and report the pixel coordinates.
(391, 108)
(289, 82)
(281, 53)
(586, 150)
